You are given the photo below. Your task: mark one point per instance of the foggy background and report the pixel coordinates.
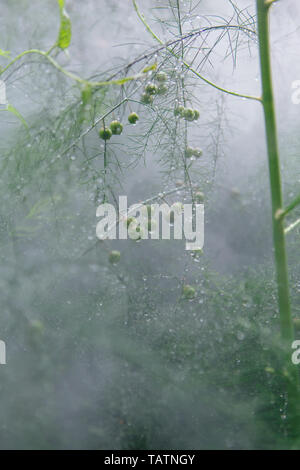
(84, 339)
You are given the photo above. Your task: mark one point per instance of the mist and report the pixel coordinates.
(121, 355)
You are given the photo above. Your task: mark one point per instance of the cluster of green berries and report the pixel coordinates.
(148, 96)
(116, 127)
(192, 152)
(152, 89)
(161, 78)
(188, 114)
(133, 227)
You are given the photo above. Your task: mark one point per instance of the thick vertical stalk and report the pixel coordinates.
(286, 323)
(274, 170)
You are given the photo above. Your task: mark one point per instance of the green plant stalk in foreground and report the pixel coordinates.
(286, 323)
(274, 170)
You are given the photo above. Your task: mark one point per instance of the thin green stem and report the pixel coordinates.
(290, 207)
(105, 167)
(186, 171)
(292, 226)
(208, 82)
(71, 75)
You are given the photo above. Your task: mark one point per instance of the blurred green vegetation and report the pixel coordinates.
(104, 356)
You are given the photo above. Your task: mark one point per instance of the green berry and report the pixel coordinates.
(161, 77)
(198, 153)
(116, 127)
(197, 253)
(189, 152)
(179, 111)
(114, 257)
(135, 233)
(105, 133)
(130, 220)
(151, 89)
(133, 118)
(189, 114)
(199, 196)
(146, 98)
(140, 231)
(162, 90)
(188, 292)
(196, 114)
